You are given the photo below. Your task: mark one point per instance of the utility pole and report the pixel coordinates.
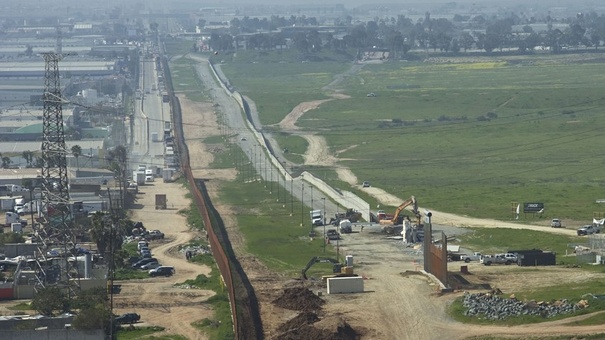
(312, 207)
(302, 204)
(56, 217)
(324, 222)
(278, 181)
(285, 187)
(291, 196)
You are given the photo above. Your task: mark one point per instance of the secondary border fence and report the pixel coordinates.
(244, 304)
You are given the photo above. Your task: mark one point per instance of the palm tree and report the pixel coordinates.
(29, 157)
(76, 150)
(6, 162)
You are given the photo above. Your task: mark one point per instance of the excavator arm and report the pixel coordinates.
(315, 260)
(405, 204)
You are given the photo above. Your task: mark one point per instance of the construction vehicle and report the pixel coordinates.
(345, 227)
(395, 219)
(338, 269)
(350, 215)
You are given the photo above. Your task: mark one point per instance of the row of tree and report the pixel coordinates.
(33, 161)
(401, 34)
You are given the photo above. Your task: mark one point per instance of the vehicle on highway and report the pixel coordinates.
(162, 271)
(588, 229)
(127, 318)
(556, 223)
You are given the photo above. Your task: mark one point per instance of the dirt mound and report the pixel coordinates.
(299, 321)
(300, 327)
(299, 299)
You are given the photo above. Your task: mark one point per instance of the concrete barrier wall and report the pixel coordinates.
(345, 285)
(346, 199)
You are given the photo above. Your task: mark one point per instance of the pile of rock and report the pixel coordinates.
(195, 250)
(493, 307)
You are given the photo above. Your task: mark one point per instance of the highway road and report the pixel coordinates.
(149, 120)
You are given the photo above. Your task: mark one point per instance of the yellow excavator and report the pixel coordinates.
(338, 269)
(389, 223)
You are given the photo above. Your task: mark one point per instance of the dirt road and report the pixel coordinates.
(395, 306)
(156, 299)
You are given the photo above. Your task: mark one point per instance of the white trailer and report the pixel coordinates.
(7, 203)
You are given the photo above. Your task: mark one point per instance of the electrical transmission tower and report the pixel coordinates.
(56, 268)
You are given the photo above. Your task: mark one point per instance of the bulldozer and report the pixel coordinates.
(338, 269)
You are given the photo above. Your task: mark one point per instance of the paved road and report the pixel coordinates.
(257, 155)
(149, 118)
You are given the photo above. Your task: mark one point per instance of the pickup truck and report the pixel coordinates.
(468, 258)
(505, 258)
(332, 235)
(588, 229)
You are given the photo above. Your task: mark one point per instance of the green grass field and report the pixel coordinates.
(463, 138)
(534, 144)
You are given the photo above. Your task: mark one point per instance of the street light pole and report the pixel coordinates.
(278, 182)
(285, 187)
(302, 204)
(324, 216)
(312, 207)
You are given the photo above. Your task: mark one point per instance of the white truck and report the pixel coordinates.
(12, 217)
(138, 177)
(316, 217)
(476, 256)
(504, 258)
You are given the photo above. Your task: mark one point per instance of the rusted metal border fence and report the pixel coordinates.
(435, 256)
(244, 305)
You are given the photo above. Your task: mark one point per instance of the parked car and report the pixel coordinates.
(142, 244)
(556, 223)
(162, 271)
(476, 256)
(150, 265)
(588, 229)
(156, 235)
(128, 318)
(139, 263)
(505, 258)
